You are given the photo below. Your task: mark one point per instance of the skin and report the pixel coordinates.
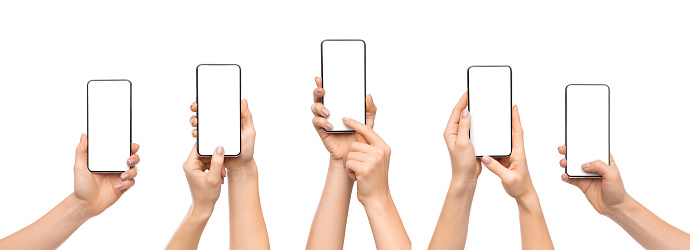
(517, 182)
(93, 194)
(367, 164)
(247, 225)
(328, 227)
(451, 229)
(608, 197)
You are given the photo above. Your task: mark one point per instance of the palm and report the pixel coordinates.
(337, 144)
(95, 190)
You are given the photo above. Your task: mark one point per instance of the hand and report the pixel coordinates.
(98, 191)
(367, 163)
(336, 143)
(513, 170)
(606, 194)
(205, 185)
(465, 165)
(248, 136)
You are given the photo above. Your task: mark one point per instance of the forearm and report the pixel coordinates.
(51, 230)
(386, 225)
(328, 228)
(188, 234)
(533, 230)
(647, 229)
(451, 229)
(247, 226)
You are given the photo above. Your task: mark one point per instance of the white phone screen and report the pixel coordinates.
(490, 106)
(109, 125)
(218, 108)
(344, 79)
(586, 127)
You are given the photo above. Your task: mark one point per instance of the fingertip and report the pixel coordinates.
(564, 177)
(486, 160)
(563, 162)
(220, 150)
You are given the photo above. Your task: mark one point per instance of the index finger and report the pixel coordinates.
(364, 130)
(135, 148)
(193, 107)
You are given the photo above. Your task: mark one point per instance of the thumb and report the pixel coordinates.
(495, 167)
(360, 138)
(82, 150)
(598, 167)
(217, 162)
(464, 125)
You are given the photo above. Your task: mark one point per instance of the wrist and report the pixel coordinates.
(377, 202)
(243, 170)
(201, 211)
(623, 210)
(462, 185)
(528, 201)
(79, 208)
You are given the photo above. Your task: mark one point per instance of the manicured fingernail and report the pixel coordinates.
(486, 160)
(319, 90)
(345, 119)
(465, 113)
(118, 186)
(125, 176)
(220, 150)
(586, 165)
(325, 112)
(131, 161)
(329, 126)
(192, 121)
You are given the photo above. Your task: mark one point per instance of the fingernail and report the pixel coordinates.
(465, 113)
(586, 165)
(131, 161)
(325, 112)
(486, 160)
(220, 150)
(330, 127)
(192, 121)
(118, 186)
(319, 90)
(125, 176)
(345, 119)
(192, 132)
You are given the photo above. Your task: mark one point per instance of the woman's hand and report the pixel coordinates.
(513, 170)
(205, 179)
(606, 194)
(466, 167)
(336, 143)
(367, 163)
(248, 136)
(98, 191)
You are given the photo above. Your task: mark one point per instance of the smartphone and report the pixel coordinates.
(343, 76)
(587, 127)
(490, 102)
(108, 125)
(218, 97)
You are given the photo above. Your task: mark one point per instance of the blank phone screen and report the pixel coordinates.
(586, 127)
(109, 125)
(218, 108)
(343, 77)
(490, 106)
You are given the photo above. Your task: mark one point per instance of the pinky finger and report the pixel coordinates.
(125, 185)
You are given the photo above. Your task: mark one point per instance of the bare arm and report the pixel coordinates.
(647, 229)
(328, 227)
(247, 226)
(188, 234)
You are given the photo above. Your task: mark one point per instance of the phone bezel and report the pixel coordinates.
(511, 101)
(608, 161)
(87, 122)
(365, 80)
(198, 132)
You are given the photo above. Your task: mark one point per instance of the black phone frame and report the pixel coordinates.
(511, 102)
(87, 123)
(608, 161)
(198, 132)
(365, 80)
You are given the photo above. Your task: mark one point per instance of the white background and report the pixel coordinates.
(417, 56)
